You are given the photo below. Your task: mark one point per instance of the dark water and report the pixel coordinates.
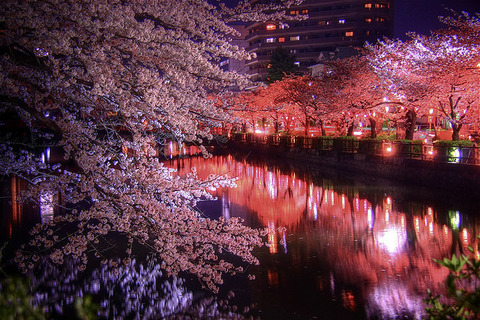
(339, 247)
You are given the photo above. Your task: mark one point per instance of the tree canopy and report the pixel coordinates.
(393, 80)
(282, 63)
(106, 83)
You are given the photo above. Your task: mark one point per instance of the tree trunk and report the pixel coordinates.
(373, 128)
(456, 131)
(410, 124)
(350, 130)
(322, 127)
(287, 125)
(306, 127)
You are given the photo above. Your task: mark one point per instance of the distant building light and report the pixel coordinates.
(349, 34)
(271, 26)
(297, 63)
(368, 5)
(270, 40)
(341, 21)
(294, 38)
(281, 39)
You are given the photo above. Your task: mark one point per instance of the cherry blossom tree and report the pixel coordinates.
(106, 82)
(355, 91)
(273, 107)
(245, 109)
(439, 72)
(301, 91)
(464, 26)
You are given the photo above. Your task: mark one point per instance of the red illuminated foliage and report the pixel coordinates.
(305, 93)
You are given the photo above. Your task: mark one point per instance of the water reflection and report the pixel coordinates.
(16, 217)
(368, 250)
(338, 247)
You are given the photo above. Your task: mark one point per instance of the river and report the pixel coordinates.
(339, 246)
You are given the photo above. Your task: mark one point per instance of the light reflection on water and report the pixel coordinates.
(339, 247)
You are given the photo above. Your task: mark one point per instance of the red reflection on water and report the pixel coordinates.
(18, 215)
(365, 242)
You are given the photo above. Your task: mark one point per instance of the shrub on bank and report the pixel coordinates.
(345, 143)
(408, 148)
(453, 143)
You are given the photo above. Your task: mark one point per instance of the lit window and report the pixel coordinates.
(304, 11)
(297, 63)
(271, 26)
(321, 23)
(368, 20)
(293, 51)
(293, 12)
(341, 21)
(349, 34)
(281, 39)
(368, 5)
(270, 40)
(294, 38)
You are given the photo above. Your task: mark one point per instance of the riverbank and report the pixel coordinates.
(454, 178)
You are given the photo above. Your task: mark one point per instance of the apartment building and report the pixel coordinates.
(331, 24)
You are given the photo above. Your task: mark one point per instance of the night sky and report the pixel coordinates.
(421, 15)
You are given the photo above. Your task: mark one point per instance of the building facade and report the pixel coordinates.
(238, 40)
(330, 24)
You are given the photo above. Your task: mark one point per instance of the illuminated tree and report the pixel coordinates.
(265, 99)
(355, 92)
(245, 109)
(302, 91)
(105, 82)
(463, 26)
(271, 100)
(439, 72)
